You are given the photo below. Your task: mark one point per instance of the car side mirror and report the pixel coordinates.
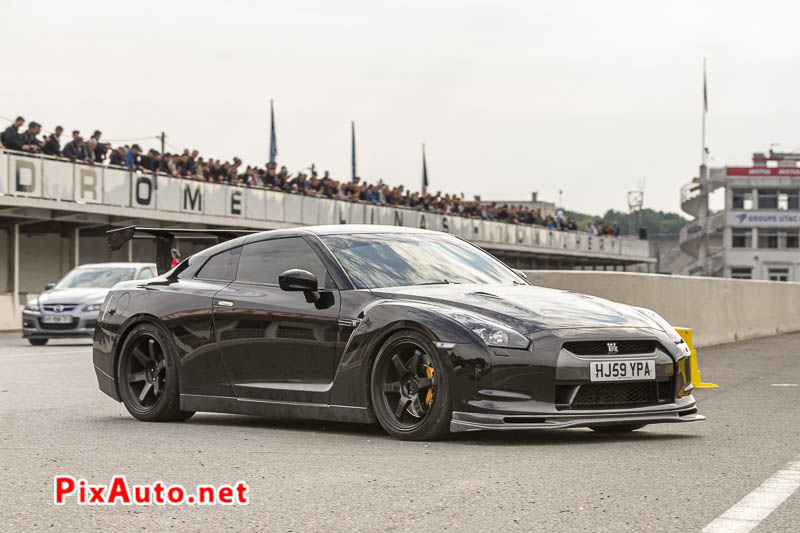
(298, 280)
(49, 286)
(302, 280)
(521, 273)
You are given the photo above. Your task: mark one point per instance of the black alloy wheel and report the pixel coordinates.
(147, 377)
(410, 388)
(147, 371)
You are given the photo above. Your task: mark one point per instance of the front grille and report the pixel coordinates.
(58, 327)
(610, 394)
(601, 347)
(63, 307)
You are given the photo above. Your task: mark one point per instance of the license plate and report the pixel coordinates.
(622, 370)
(57, 319)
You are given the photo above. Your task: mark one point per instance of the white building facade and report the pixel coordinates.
(761, 236)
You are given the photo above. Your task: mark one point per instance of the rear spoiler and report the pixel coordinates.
(165, 239)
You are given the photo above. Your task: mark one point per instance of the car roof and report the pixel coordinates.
(116, 265)
(321, 231)
(338, 229)
(334, 229)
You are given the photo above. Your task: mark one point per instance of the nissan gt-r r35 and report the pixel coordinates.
(420, 331)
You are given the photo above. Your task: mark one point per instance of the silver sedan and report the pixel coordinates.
(69, 308)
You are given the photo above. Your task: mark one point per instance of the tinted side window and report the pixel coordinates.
(263, 262)
(221, 267)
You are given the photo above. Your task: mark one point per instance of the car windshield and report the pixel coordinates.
(398, 260)
(101, 278)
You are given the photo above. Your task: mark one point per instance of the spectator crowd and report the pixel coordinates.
(189, 164)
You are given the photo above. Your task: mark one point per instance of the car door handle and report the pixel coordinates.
(224, 303)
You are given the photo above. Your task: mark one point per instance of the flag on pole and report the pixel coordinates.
(273, 142)
(424, 172)
(705, 90)
(353, 148)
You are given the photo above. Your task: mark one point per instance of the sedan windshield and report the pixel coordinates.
(399, 260)
(101, 278)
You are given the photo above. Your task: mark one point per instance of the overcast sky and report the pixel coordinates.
(510, 97)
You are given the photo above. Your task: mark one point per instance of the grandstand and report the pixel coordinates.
(54, 212)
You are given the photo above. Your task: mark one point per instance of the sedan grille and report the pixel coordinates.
(61, 307)
(607, 394)
(602, 347)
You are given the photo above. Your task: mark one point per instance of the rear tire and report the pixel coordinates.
(410, 388)
(147, 376)
(625, 428)
(38, 342)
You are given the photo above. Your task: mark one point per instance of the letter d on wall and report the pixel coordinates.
(25, 178)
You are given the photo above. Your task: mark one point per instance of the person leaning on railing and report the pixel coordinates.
(75, 150)
(10, 136)
(52, 146)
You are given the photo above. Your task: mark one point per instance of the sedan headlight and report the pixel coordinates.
(658, 319)
(491, 332)
(92, 308)
(32, 306)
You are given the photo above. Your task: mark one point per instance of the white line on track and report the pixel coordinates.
(756, 506)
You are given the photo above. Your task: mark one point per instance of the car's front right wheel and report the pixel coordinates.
(410, 388)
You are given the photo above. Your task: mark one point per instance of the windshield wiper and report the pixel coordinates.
(443, 282)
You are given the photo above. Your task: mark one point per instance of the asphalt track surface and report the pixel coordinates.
(311, 476)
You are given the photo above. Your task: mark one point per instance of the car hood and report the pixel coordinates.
(82, 295)
(525, 307)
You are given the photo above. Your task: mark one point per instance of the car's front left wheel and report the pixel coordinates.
(38, 342)
(148, 377)
(410, 388)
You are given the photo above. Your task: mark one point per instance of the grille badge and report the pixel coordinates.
(612, 347)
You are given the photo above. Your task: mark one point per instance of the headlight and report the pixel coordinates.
(32, 306)
(491, 332)
(92, 307)
(658, 319)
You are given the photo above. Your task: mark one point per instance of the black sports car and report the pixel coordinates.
(419, 330)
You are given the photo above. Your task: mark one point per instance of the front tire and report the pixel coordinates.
(38, 342)
(147, 376)
(410, 388)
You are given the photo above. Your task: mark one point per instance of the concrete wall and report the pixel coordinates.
(45, 257)
(718, 310)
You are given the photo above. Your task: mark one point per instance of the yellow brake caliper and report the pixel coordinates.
(429, 396)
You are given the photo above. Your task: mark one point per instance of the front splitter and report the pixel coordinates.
(462, 421)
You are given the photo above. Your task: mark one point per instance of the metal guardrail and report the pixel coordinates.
(59, 180)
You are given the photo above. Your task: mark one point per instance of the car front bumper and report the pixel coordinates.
(550, 386)
(463, 421)
(81, 326)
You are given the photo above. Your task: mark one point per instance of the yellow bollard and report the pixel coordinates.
(697, 382)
